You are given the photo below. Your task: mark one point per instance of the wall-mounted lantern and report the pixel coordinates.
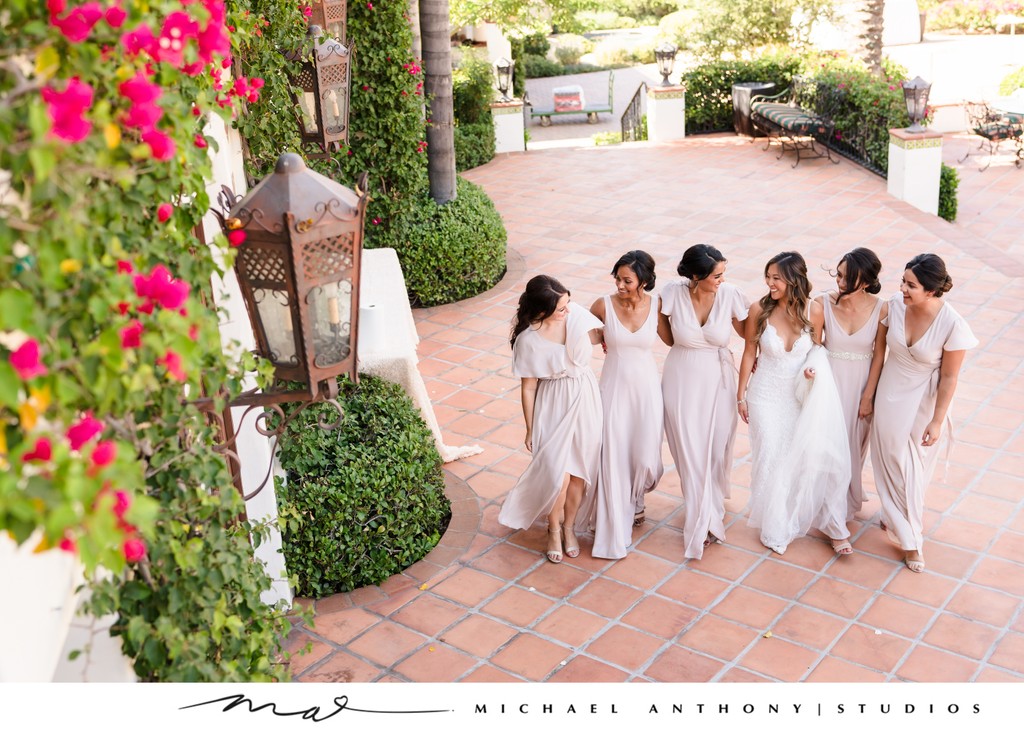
(298, 269)
(324, 79)
(332, 16)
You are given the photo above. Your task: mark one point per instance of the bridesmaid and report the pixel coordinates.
(552, 342)
(927, 343)
(698, 315)
(631, 394)
(856, 349)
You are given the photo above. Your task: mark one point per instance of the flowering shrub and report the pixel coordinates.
(105, 328)
(971, 15)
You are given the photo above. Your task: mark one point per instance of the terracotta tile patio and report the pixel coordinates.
(486, 606)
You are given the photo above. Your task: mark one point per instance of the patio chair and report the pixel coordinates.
(992, 126)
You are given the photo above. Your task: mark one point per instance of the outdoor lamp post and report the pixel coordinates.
(665, 56)
(503, 67)
(324, 78)
(915, 93)
(298, 270)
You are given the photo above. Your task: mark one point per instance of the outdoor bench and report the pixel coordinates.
(563, 104)
(797, 128)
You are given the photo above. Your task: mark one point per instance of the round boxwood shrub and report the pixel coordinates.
(364, 501)
(452, 252)
(474, 145)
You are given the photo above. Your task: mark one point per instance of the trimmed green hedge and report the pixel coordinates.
(949, 182)
(709, 88)
(364, 501)
(474, 145)
(452, 252)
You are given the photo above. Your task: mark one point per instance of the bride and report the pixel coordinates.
(800, 455)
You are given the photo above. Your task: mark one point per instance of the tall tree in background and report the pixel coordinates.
(437, 82)
(870, 37)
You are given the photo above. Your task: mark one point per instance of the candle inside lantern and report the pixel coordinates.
(332, 311)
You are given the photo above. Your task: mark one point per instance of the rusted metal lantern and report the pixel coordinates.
(665, 56)
(332, 16)
(503, 69)
(915, 94)
(298, 270)
(324, 79)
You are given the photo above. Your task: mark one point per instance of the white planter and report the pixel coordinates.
(39, 604)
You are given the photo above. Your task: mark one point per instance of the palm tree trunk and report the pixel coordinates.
(437, 82)
(871, 34)
(414, 23)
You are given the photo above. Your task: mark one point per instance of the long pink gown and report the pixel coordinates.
(904, 404)
(849, 354)
(566, 417)
(631, 450)
(699, 389)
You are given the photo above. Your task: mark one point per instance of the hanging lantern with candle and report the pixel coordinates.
(915, 94)
(298, 269)
(332, 16)
(323, 78)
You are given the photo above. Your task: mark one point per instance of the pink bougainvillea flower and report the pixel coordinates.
(164, 212)
(68, 544)
(42, 451)
(56, 7)
(139, 40)
(200, 141)
(146, 307)
(83, 431)
(140, 90)
(160, 145)
(143, 116)
(256, 83)
(177, 30)
(241, 87)
(236, 237)
(125, 267)
(66, 109)
(78, 24)
(103, 454)
(369, 6)
(172, 361)
(115, 16)
(194, 69)
(131, 336)
(122, 502)
(123, 308)
(134, 549)
(193, 332)
(26, 362)
(160, 287)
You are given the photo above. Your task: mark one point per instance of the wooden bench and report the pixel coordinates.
(591, 110)
(797, 128)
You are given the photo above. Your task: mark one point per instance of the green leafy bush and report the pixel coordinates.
(570, 48)
(1012, 82)
(538, 67)
(709, 88)
(949, 182)
(472, 88)
(536, 44)
(971, 15)
(454, 251)
(474, 145)
(364, 501)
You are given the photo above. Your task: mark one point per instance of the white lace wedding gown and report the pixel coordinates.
(799, 451)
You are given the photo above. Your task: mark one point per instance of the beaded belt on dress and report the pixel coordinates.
(849, 355)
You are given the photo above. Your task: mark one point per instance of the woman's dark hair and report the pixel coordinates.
(642, 265)
(699, 261)
(862, 268)
(793, 270)
(930, 271)
(538, 301)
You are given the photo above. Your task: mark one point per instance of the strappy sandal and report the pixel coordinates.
(711, 540)
(914, 566)
(554, 537)
(570, 550)
(639, 518)
(842, 547)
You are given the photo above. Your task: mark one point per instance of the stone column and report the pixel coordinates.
(666, 113)
(509, 134)
(915, 166)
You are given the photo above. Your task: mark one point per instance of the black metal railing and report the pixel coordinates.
(632, 119)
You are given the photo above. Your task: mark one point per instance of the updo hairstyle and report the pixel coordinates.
(930, 271)
(699, 261)
(642, 265)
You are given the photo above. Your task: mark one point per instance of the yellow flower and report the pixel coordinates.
(29, 411)
(112, 134)
(70, 266)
